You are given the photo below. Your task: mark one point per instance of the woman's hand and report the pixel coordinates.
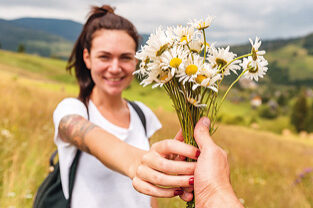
(163, 171)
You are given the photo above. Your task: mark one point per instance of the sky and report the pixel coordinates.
(235, 20)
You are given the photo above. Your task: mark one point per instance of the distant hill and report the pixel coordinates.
(67, 29)
(290, 60)
(276, 44)
(34, 41)
(42, 36)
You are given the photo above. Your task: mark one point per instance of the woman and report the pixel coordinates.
(106, 128)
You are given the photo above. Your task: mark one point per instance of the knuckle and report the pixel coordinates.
(163, 165)
(190, 168)
(135, 183)
(157, 178)
(139, 170)
(145, 159)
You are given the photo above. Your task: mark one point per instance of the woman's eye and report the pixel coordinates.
(126, 58)
(104, 57)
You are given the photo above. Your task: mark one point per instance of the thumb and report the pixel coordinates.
(202, 133)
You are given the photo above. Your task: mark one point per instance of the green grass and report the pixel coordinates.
(35, 66)
(264, 165)
(295, 58)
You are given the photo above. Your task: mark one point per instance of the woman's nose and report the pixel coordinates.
(115, 66)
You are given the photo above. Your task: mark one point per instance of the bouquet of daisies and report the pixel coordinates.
(180, 60)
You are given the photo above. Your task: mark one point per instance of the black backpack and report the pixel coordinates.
(50, 193)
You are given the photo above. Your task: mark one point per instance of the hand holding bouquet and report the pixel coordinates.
(191, 71)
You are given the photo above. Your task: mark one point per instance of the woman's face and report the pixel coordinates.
(111, 60)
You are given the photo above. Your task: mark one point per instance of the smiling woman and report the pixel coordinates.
(111, 67)
(109, 131)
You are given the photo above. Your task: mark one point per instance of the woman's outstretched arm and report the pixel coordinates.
(151, 171)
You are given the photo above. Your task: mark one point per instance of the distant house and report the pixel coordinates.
(256, 101)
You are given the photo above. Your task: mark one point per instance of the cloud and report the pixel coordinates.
(235, 20)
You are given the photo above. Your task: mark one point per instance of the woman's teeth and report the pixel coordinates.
(114, 79)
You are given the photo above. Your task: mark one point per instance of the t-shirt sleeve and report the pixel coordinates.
(66, 151)
(152, 122)
(68, 106)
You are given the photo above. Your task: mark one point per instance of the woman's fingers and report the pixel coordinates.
(161, 164)
(155, 191)
(170, 146)
(179, 136)
(157, 178)
(186, 196)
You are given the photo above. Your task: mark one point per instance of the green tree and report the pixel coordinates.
(277, 74)
(21, 48)
(299, 112)
(309, 120)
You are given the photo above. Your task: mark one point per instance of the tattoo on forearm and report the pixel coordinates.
(73, 129)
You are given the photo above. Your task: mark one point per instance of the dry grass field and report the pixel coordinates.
(267, 169)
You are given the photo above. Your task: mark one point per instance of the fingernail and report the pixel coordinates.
(191, 181)
(178, 192)
(206, 122)
(197, 153)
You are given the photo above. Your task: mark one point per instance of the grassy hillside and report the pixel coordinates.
(34, 66)
(295, 59)
(291, 59)
(35, 41)
(265, 167)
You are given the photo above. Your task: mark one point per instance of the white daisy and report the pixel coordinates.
(207, 77)
(221, 58)
(157, 43)
(255, 48)
(192, 65)
(256, 68)
(201, 24)
(195, 45)
(193, 100)
(173, 58)
(183, 35)
(144, 60)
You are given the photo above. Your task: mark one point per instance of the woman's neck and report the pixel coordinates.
(107, 102)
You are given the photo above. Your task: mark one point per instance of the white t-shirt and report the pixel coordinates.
(97, 186)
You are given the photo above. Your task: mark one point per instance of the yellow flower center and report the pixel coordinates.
(200, 78)
(191, 69)
(253, 69)
(183, 38)
(175, 62)
(254, 55)
(161, 50)
(164, 77)
(202, 26)
(220, 62)
(208, 45)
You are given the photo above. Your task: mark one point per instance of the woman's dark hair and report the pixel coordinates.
(99, 18)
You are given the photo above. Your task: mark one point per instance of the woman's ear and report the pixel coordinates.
(86, 57)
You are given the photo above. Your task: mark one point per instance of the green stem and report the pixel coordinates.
(240, 57)
(204, 41)
(232, 84)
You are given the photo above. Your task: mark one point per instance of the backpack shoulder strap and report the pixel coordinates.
(140, 114)
(73, 170)
(72, 175)
(76, 159)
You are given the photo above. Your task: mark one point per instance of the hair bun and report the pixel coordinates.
(107, 8)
